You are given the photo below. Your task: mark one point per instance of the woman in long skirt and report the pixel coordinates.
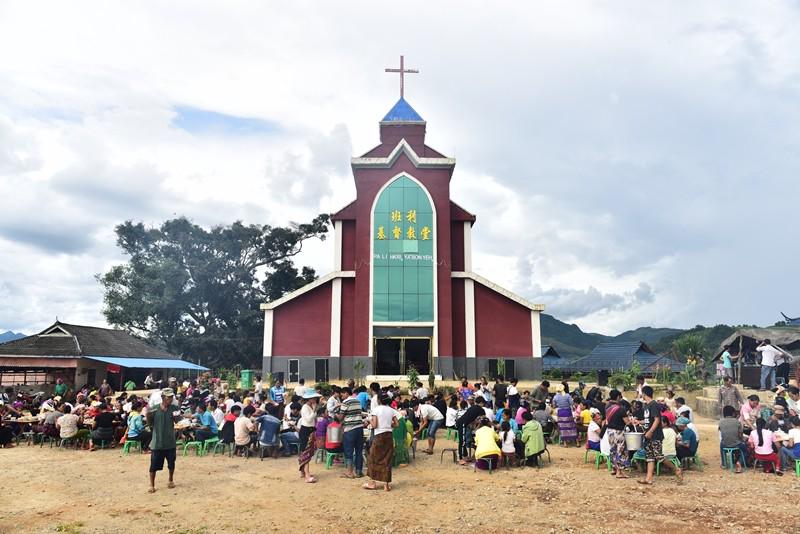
(308, 441)
(381, 451)
(567, 428)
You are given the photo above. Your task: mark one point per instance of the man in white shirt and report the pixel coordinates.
(430, 417)
(769, 355)
(421, 393)
(333, 401)
(301, 389)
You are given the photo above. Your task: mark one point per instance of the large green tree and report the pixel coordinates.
(197, 291)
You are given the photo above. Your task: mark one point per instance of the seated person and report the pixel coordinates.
(790, 452)
(762, 442)
(333, 437)
(731, 436)
(136, 429)
(593, 432)
(585, 417)
(486, 449)
(668, 446)
(506, 418)
(507, 448)
(208, 426)
(542, 415)
(68, 425)
(533, 438)
(749, 412)
(243, 426)
(686, 445)
(321, 427)
(290, 435)
(103, 428)
(269, 428)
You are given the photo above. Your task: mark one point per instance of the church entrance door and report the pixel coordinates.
(394, 356)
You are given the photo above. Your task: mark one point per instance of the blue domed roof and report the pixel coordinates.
(402, 112)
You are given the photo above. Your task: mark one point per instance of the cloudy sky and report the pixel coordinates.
(629, 164)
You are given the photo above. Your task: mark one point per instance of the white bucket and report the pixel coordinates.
(633, 440)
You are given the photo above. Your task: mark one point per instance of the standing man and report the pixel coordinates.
(258, 389)
(500, 392)
(540, 393)
(276, 394)
(769, 355)
(727, 362)
(61, 388)
(431, 418)
(351, 417)
(729, 395)
(640, 384)
(162, 420)
(653, 434)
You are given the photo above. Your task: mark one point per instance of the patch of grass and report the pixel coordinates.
(70, 528)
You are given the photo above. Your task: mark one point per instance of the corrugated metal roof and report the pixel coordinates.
(619, 356)
(402, 112)
(62, 339)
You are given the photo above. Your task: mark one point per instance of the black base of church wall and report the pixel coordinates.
(525, 368)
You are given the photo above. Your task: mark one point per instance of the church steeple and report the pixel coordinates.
(402, 112)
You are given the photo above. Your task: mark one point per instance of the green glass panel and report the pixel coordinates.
(395, 246)
(381, 280)
(410, 307)
(382, 204)
(380, 307)
(426, 308)
(410, 198)
(396, 280)
(425, 281)
(422, 202)
(395, 308)
(410, 280)
(395, 199)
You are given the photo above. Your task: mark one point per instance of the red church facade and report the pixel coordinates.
(402, 292)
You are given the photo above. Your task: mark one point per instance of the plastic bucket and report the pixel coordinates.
(633, 440)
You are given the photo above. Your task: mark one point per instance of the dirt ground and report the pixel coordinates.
(51, 490)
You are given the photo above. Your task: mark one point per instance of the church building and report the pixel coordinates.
(402, 292)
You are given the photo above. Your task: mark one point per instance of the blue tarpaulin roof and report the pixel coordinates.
(149, 363)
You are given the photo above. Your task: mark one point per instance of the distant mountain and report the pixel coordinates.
(648, 334)
(10, 336)
(572, 342)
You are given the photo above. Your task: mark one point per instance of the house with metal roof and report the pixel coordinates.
(84, 355)
(551, 359)
(619, 356)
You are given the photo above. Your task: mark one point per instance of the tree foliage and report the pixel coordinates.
(197, 292)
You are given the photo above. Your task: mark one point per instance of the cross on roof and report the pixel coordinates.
(402, 70)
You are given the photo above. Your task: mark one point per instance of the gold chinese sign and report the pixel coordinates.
(396, 232)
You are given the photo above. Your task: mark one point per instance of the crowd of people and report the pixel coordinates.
(494, 424)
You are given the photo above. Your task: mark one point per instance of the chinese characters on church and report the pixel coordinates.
(411, 230)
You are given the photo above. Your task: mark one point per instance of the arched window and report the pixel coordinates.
(403, 233)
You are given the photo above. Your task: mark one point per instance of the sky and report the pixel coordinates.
(630, 163)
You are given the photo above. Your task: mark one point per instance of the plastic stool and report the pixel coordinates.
(222, 447)
(136, 444)
(728, 457)
(454, 451)
(330, 457)
(673, 461)
(198, 447)
(210, 442)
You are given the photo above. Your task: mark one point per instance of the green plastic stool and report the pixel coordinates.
(424, 434)
(797, 468)
(673, 461)
(210, 442)
(330, 457)
(689, 460)
(319, 457)
(198, 447)
(221, 446)
(135, 444)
